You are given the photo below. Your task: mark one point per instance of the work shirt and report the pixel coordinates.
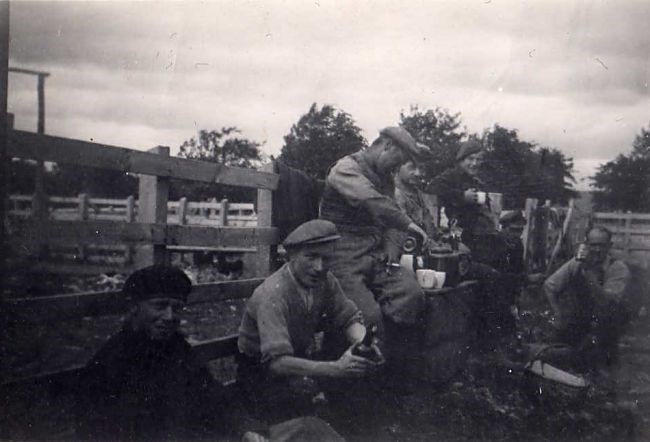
(356, 196)
(278, 322)
(569, 287)
(412, 203)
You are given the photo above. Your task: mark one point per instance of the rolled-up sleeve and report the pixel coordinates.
(559, 280)
(344, 311)
(617, 280)
(273, 329)
(347, 179)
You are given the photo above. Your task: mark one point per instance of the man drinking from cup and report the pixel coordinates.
(587, 295)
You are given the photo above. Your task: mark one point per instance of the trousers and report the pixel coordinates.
(388, 297)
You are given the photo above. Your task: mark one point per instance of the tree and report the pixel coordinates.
(319, 139)
(440, 131)
(218, 146)
(520, 169)
(624, 183)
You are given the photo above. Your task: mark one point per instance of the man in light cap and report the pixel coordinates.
(359, 199)
(280, 363)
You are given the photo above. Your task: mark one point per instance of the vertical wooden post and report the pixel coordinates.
(266, 255)
(213, 211)
(6, 123)
(152, 208)
(529, 214)
(83, 206)
(628, 226)
(130, 209)
(182, 211)
(223, 214)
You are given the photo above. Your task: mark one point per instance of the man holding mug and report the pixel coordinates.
(587, 295)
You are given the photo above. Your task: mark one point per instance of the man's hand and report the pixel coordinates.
(349, 365)
(251, 436)
(471, 196)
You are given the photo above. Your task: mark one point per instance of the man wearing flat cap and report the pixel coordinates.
(359, 198)
(279, 363)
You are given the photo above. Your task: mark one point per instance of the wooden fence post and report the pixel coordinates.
(213, 210)
(83, 216)
(529, 213)
(223, 213)
(182, 211)
(266, 255)
(83, 206)
(152, 208)
(627, 236)
(130, 209)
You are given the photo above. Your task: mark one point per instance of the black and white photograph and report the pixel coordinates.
(325, 220)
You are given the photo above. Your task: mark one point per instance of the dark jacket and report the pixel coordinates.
(450, 187)
(138, 389)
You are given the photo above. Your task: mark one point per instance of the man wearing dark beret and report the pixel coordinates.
(281, 363)
(145, 383)
(457, 190)
(359, 198)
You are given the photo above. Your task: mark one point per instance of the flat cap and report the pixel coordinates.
(468, 148)
(316, 231)
(416, 151)
(155, 282)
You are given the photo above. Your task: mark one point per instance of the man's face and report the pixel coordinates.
(599, 245)
(472, 163)
(311, 263)
(409, 173)
(391, 158)
(158, 317)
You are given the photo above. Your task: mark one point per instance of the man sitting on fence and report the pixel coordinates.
(359, 199)
(296, 328)
(145, 383)
(588, 298)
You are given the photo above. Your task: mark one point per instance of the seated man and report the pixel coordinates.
(277, 361)
(145, 383)
(587, 295)
(408, 196)
(359, 198)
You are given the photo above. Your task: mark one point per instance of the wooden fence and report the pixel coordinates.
(631, 233)
(184, 212)
(145, 225)
(552, 234)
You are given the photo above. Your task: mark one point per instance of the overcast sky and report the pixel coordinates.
(568, 74)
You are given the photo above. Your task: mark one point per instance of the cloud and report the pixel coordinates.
(572, 75)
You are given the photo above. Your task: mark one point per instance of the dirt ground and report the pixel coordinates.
(488, 400)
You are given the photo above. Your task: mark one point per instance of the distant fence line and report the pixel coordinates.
(183, 212)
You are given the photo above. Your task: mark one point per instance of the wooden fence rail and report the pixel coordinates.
(85, 221)
(27, 145)
(207, 213)
(72, 306)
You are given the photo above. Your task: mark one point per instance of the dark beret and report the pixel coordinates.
(157, 281)
(315, 231)
(404, 140)
(468, 148)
